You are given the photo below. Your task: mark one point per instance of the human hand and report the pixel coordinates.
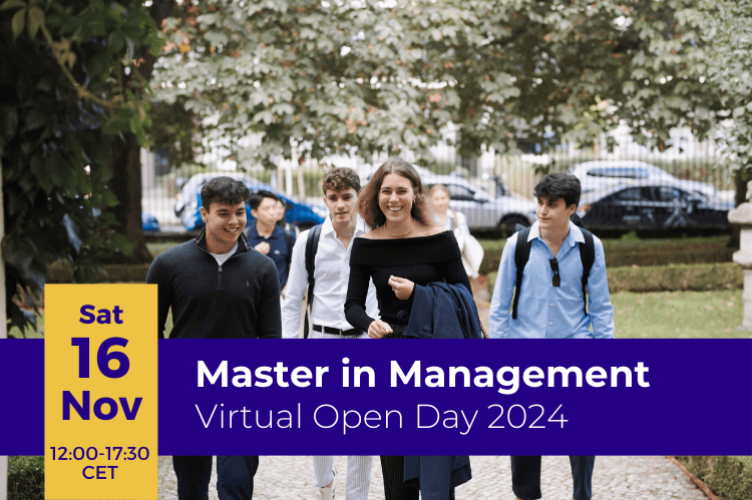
(263, 247)
(378, 329)
(402, 287)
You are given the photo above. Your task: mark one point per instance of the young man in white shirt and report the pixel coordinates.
(327, 317)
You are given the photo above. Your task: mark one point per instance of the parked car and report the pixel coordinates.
(595, 175)
(483, 212)
(188, 204)
(651, 206)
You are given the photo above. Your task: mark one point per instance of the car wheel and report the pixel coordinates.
(508, 225)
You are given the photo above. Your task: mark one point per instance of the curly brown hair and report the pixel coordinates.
(341, 178)
(368, 204)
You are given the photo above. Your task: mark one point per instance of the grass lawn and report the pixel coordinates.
(687, 315)
(158, 248)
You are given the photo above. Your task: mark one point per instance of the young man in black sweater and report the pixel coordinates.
(218, 287)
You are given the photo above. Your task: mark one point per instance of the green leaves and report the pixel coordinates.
(12, 4)
(54, 137)
(31, 16)
(18, 23)
(110, 199)
(35, 20)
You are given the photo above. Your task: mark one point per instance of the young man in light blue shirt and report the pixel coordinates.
(551, 302)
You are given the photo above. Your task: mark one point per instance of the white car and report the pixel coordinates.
(595, 175)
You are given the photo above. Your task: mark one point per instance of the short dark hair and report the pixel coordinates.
(224, 190)
(339, 179)
(559, 186)
(258, 197)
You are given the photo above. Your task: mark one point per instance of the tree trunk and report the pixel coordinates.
(125, 165)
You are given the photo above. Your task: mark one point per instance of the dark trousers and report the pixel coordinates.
(393, 472)
(526, 473)
(235, 477)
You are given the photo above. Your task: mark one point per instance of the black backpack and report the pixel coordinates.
(522, 255)
(288, 241)
(312, 246)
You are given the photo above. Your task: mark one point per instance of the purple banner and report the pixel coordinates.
(486, 397)
(689, 397)
(22, 397)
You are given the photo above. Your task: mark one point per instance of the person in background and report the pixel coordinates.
(282, 214)
(268, 238)
(449, 219)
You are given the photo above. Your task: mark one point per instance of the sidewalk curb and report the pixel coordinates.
(698, 482)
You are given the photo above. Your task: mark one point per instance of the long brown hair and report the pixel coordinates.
(368, 204)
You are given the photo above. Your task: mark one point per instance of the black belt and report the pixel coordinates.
(336, 331)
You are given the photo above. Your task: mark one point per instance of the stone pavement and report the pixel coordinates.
(615, 478)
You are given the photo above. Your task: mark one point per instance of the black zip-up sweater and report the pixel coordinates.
(237, 300)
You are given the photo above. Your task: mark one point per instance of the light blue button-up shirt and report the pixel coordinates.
(545, 311)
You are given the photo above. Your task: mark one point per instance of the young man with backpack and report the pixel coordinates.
(321, 265)
(552, 284)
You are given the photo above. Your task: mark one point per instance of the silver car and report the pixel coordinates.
(483, 212)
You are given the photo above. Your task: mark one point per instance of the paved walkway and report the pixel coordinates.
(615, 478)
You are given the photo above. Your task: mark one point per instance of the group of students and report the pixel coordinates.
(382, 257)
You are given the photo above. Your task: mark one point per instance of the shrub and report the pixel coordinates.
(697, 277)
(728, 477)
(637, 253)
(25, 478)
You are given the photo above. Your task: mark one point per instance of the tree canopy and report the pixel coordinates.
(63, 101)
(380, 76)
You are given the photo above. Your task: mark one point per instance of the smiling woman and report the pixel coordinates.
(406, 248)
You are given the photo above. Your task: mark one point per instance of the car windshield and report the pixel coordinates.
(459, 192)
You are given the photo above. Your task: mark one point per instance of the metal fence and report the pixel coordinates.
(625, 186)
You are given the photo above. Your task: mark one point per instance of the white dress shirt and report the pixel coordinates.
(332, 274)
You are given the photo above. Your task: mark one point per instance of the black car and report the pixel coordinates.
(651, 207)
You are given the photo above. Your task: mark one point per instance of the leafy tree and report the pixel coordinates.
(60, 108)
(361, 75)
(509, 73)
(335, 77)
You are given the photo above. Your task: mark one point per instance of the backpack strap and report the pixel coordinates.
(288, 242)
(521, 256)
(312, 246)
(587, 255)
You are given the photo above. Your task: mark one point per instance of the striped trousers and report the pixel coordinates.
(358, 475)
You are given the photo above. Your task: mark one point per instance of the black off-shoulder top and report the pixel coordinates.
(422, 260)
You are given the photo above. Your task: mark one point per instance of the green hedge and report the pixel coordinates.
(25, 478)
(642, 253)
(728, 477)
(696, 277)
(112, 273)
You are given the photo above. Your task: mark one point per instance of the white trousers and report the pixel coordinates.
(358, 475)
